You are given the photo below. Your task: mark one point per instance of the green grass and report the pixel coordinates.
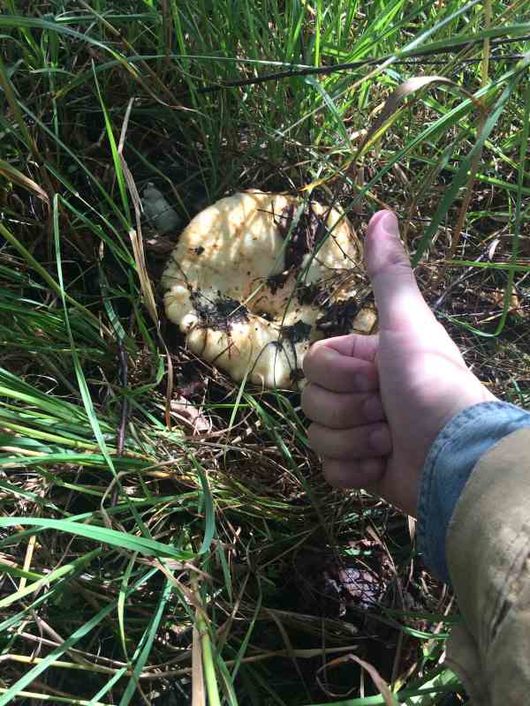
(144, 564)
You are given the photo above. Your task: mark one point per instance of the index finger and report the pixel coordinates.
(336, 372)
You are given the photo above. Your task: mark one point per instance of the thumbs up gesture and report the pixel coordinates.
(378, 402)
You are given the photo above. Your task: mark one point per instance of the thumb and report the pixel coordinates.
(399, 302)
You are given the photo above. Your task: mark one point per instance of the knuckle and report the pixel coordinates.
(378, 438)
(372, 407)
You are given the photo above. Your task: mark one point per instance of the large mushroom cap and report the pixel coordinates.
(257, 277)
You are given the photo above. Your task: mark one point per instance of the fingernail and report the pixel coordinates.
(389, 222)
(363, 383)
(329, 355)
(380, 440)
(373, 409)
(374, 220)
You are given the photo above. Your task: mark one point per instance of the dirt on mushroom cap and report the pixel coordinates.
(255, 277)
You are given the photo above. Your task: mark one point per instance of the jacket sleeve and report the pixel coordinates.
(450, 461)
(488, 557)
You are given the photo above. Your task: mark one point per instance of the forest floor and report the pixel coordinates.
(206, 561)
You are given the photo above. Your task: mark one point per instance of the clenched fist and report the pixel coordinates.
(378, 402)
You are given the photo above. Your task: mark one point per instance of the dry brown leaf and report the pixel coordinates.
(22, 180)
(192, 417)
(198, 697)
(496, 297)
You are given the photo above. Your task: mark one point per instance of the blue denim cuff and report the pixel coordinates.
(448, 465)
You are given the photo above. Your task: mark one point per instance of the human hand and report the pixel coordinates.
(378, 402)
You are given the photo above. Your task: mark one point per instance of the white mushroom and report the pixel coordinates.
(257, 277)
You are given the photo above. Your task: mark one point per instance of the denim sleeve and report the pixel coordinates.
(451, 458)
